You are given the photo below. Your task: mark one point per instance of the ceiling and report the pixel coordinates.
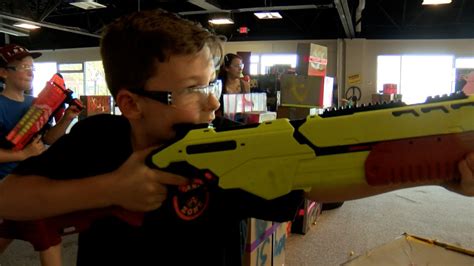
(66, 26)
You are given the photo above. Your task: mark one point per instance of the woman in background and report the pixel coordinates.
(231, 75)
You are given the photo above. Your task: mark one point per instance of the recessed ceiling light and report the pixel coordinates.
(221, 21)
(87, 4)
(26, 26)
(13, 32)
(436, 2)
(267, 15)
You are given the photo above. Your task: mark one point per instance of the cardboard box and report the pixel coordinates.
(302, 91)
(279, 243)
(295, 113)
(95, 104)
(414, 250)
(244, 102)
(266, 243)
(312, 59)
(259, 117)
(306, 217)
(258, 249)
(380, 98)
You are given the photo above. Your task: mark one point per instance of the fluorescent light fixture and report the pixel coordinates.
(87, 4)
(221, 21)
(13, 32)
(26, 26)
(267, 15)
(436, 2)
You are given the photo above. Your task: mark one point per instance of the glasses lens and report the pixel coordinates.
(24, 68)
(29, 68)
(216, 89)
(189, 95)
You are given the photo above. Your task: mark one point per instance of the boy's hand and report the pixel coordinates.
(36, 147)
(137, 187)
(465, 186)
(71, 112)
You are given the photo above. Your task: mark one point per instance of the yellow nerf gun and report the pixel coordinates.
(375, 144)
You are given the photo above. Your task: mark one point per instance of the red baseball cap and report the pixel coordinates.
(12, 52)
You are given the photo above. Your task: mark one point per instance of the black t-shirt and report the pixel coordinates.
(101, 144)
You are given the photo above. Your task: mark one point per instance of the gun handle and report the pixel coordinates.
(77, 103)
(59, 113)
(418, 159)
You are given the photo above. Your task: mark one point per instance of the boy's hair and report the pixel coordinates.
(132, 45)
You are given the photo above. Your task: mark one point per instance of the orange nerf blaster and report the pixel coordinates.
(49, 102)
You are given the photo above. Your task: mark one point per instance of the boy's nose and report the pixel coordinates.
(212, 102)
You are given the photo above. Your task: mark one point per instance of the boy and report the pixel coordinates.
(17, 69)
(160, 69)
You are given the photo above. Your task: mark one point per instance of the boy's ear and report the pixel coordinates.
(128, 104)
(3, 72)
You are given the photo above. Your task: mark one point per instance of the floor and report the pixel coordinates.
(360, 225)
(344, 233)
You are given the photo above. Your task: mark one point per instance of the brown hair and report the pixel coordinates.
(132, 44)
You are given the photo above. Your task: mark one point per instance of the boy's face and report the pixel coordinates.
(176, 75)
(20, 76)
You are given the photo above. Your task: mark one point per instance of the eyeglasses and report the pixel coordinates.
(238, 66)
(172, 98)
(21, 68)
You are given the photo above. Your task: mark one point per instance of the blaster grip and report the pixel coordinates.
(418, 159)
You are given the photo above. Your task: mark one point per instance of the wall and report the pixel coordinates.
(285, 47)
(70, 55)
(361, 56)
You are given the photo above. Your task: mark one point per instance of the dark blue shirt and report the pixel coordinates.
(10, 113)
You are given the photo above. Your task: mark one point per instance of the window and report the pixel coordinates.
(43, 73)
(73, 75)
(465, 62)
(71, 67)
(95, 79)
(417, 76)
(424, 76)
(254, 63)
(268, 61)
(388, 70)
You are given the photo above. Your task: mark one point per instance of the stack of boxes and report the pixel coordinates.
(306, 217)
(95, 104)
(388, 94)
(306, 89)
(266, 243)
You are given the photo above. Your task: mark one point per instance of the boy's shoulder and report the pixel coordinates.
(101, 123)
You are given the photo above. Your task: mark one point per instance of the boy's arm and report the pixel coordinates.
(61, 126)
(35, 197)
(133, 186)
(35, 147)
